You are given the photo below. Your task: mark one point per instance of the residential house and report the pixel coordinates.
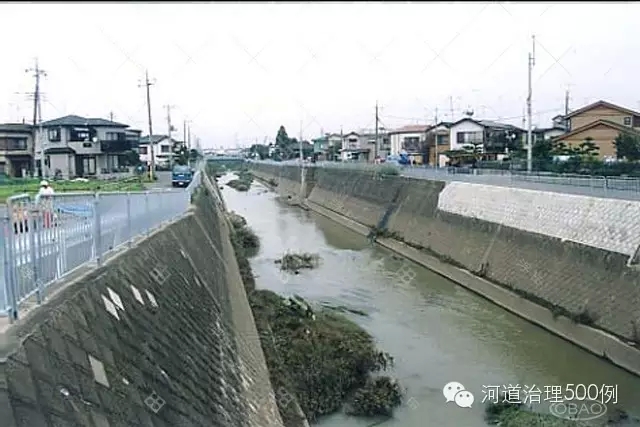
(162, 149)
(492, 139)
(74, 146)
(354, 147)
(602, 122)
(307, 150)
(327, 147)
(16, 148)
(438, 143)
(484, 133)
(133, 136)
(361, 146)
(411, 140)
(545, 134)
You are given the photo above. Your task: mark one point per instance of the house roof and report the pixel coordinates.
(15, 127)
(601, 103)
(411, 129)
(445, 124)
(548, 129)
(486, 124)
(82, 121)
(591, 125)
(155, 139)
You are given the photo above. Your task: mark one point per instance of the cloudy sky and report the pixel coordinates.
(239, 71)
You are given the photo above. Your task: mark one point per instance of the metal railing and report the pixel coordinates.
(44, 240)
(597, 186)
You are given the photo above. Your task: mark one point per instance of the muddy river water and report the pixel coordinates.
(437, 331)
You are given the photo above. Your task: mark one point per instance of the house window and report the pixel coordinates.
(16, 144)
(164, 148)
(627, 121)
(442, 139)
(636, 121)
(114, 136)
(79, 134)
(54, 134)
(143, 150)
(470, 137)
(412, 144)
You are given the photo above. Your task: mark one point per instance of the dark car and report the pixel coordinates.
(181, 176)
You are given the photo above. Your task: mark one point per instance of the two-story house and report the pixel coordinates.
(602, 122)
(16, 148)
(489, 137)
(162, 149)
(74, 146)
(438, 143)
(412, 141)
(327, 147)
(361, 146)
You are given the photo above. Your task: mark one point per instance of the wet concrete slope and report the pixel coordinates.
(552, 256)
(161, 335)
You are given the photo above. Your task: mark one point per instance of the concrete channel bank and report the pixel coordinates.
(563, 262)
(161, 335)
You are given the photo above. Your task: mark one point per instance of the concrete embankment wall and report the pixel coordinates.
(161, 335)
(560, 250)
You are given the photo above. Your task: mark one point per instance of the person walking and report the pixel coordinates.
(44, 201)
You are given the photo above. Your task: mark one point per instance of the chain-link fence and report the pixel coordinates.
(45, 239)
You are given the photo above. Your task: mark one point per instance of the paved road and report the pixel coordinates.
(517, 182)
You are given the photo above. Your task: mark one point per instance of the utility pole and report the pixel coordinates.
(451, 107)
(37, 110)
(169, 130)
(300, 144)
(435, 136)
(147, 84)
(532, 62)
(111, 115)
(375, 151)
(566, 103)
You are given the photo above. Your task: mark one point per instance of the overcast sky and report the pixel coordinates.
(239, 71)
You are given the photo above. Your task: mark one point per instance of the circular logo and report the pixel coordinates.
(578, 410)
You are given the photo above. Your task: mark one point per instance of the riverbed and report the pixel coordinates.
(437, 331)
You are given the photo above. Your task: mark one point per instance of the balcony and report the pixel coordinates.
(115, 146)
(14, 146)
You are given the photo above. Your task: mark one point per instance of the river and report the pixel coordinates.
(437, 331)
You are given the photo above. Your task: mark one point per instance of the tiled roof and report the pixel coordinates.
(15, 127)
(73, 120)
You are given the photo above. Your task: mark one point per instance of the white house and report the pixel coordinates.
(162, 149)
(409, 139)
(74, 146)
(464, 132)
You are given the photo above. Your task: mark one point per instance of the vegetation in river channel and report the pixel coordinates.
(507, 414)
(319, 358)
(243, 182)
(295, 262)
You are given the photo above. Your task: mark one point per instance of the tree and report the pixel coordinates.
(282, 139)
(130, 158)
(588, 149)
(627, 146)
(194, 155)
(476, 149)
(262, 151)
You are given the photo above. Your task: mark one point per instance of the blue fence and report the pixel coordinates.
(42, 242)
